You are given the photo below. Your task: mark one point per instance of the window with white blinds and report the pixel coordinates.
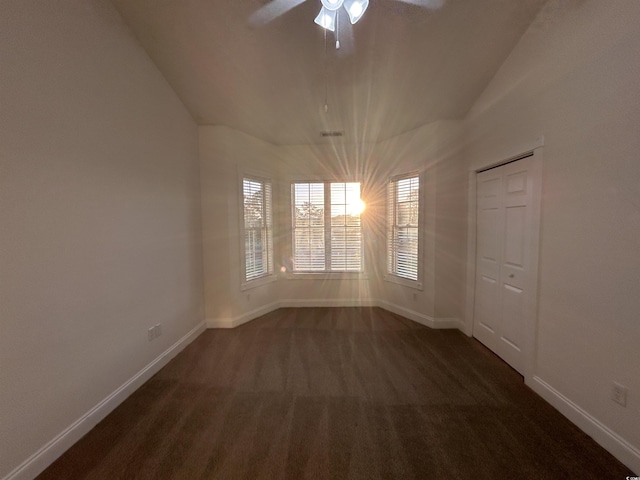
(258, 224)
(327, 229)
(403, 210)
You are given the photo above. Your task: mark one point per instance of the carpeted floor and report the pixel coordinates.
(332, 393)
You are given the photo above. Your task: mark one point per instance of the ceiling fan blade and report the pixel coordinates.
(272, 10)
(433, 4)
(347, 42)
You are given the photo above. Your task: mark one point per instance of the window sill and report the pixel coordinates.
(258, 282)
(328, 276)
(405, 282)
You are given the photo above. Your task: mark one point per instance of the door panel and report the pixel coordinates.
(502, 258)
(516, 182)
(487, 312)
(488, 245)
(488, 258)
(511, 326)
(515, 220)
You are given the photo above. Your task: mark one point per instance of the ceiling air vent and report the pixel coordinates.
(332, 133)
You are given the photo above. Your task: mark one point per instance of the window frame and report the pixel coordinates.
(390, 276)
(270, 274)
(327, 272)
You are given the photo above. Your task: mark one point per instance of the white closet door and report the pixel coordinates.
(503, 259)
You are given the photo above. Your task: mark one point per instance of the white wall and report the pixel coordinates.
(433, 149)
(340, 162)
(451, 223)
(575, 78)
(100, 217)
(413, 151)
(225, 155)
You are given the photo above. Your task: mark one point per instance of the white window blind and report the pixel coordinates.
(308, 227)
(258, 224)
(346, 231)
(327, 231)
(403, 209)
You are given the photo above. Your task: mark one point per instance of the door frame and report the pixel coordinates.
(535, 151)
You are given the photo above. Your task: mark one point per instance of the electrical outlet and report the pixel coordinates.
(152, 333)
(158, 329)
(619, 394)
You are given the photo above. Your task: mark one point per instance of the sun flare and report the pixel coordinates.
(356, 207)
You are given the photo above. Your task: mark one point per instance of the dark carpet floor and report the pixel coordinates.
(332, 393)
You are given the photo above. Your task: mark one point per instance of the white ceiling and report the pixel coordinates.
(400, 67)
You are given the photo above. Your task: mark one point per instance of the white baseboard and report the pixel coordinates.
(347, 302)
(418, 317)
(421, 318)
(426, 320)
(448, 322)
(44, 457)
(258, 312)
(608, 439)
(244, 318)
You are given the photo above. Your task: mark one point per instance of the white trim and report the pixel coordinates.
(531, 311)
(327, 276)
(608, 439)
(426, 320)
(44, 457)
(264, 180)
(258, 312)
(531, 306)
(347, 302)
(421, 318)
(421, 174)
(405, 282)
(510, 154)
(244, 318)
(258, 282)
(442, 323)
(326, 188)
(471, 253)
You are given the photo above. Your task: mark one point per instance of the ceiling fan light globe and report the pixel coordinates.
(326, 19)
(355, 9)
(332, 4)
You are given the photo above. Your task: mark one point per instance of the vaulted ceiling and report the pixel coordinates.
(400, 67)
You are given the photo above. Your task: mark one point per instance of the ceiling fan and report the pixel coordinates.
(328, 19)
(328, 12)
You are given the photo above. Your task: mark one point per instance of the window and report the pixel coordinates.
(258, 223)
(309, 253)
(327, 231)
(403, 211)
